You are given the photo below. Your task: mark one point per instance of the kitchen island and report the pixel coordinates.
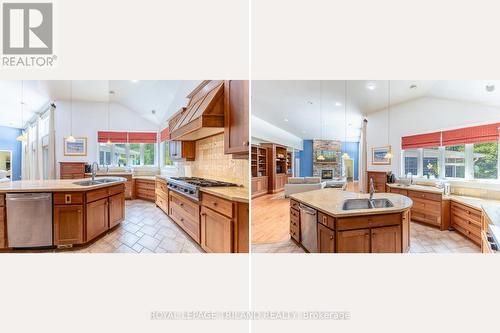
(319, 223)
(77, 211)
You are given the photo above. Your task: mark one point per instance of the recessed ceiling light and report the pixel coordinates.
(286, 119)
(413, 86)
(153, 111)
(490, 88)
(371, 86)
(338, 104)
(309, 102)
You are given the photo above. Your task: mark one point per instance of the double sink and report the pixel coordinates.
(354, 204)
(98, 181)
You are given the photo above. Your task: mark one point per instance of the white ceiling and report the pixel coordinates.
(165, 97)
(308, 104)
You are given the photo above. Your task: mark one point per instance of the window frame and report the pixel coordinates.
(469, 165)
(127, 154)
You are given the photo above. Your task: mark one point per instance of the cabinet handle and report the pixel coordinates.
(331, 237)
(215, 203)
(182, 219)
(79, 211)
(203, 214)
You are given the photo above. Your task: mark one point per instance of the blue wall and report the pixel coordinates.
(8, 141)
(306, 157)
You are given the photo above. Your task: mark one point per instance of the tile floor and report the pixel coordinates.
(423, 239)
(146, 229)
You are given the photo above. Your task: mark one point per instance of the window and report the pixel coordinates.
(166, 154)
(454, 161)
(485, 159)
(124, 154)
(411, 161)
(430, 158)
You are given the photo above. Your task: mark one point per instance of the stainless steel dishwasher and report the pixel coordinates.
(29, 219)
(308, 228)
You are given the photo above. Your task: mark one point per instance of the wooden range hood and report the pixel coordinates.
(203, 116)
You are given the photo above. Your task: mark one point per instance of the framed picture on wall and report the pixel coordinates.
(77, 148)
(378, 155)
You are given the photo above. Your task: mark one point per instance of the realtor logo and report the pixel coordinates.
(27, 28)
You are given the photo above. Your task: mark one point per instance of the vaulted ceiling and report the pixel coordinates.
(152, 100)
(315, 109)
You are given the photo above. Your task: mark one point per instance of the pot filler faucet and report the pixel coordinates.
(95, 167)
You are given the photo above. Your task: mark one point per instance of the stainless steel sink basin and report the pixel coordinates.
(353, 204)
(87, 183)
(105, 180)
(403, 185)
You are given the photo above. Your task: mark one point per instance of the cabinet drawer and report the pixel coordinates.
(427, 206)
(187, 207)
(186, 222)
(97, 194)
(425, 195)
(466, 212)
(360, 222)
(468, 224)
(161, 187)
(295, 232)
(379, 187)
(148, 185)
(2, 200)
(294, 218)
(116, 189)
(294, 204)
(68, 198)
(467, 233)
(225, 207)
(326, 220)
(162, 202)
(420, 216)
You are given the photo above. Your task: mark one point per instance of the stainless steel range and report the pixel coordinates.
(493, 234)
(190, 186)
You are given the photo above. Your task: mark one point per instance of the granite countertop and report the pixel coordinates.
(493, 212)
(421, 188)
(233, 193)
(54, 185)
(330, 200)
(145, 177)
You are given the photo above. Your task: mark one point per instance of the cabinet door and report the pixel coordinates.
(97, 218)
(236, 117)
(216, 232)
(2, 227)
(326, 239)
(116, 209)
(386, 240)
(353, 241)
(68, 225)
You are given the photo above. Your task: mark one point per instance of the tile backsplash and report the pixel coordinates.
(212, 163)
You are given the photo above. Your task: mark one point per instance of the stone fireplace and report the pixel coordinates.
(327, 174)
(327, 145)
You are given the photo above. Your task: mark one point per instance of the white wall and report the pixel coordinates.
(264, 131)
(420, 116)
(88, 119)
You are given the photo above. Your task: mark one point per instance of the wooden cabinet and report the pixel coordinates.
(276, 166)
(429, 208)
(216, 232)
(259, 186)
(186, 213)
(72, 170)
(326, 239)
(279, 182)
(145, 189)
(467, 221)
(68, 224)
(236, 117)
(379, 180)
(97, 218)
(116, 209)
(129, 187)
(353, 241)
(295, 223)
(182, 150)
(386, 239)
(161, 191)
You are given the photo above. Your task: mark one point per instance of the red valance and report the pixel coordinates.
(474, 134)
(114, 137)
(165, 134)
(427, 140)
(142, 137)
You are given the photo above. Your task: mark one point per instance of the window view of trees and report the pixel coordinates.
(454, 161)
(121, 154)
(486, 160)
(411, 161)
(430, 165)
(149, 154)
(166, 154)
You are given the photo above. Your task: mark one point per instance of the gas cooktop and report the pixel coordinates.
(190, 186)
(202, 182)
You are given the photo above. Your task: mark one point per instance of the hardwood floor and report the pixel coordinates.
(271, 217)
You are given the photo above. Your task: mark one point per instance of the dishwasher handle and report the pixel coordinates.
(307, 210)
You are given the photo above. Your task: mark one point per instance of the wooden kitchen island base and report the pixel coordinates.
(80, 214)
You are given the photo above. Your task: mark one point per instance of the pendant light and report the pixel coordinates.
(71, 138)
(320, 156)
(23, 137)
(345, 156)
(389, 154)
(111, 92)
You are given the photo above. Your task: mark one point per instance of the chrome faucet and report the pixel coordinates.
(411, 177)
(95, 167)
(372, 189)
